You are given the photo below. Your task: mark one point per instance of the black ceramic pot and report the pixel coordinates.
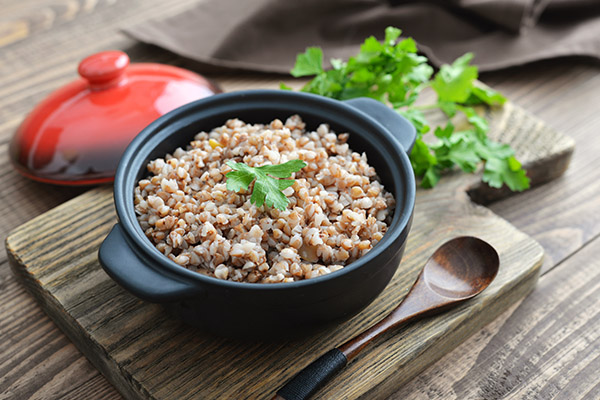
(263, 310)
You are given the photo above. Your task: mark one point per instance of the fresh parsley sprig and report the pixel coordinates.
(393, 73)
(267, 190)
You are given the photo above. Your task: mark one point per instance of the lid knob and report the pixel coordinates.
(105, 69)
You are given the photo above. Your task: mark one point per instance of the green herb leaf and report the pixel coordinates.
(462, 153)
(309, 62)
(421, 157)
(267, 190)
(420, 73)
(284, 170)
(479, 123)
(448, 107)
(238, 180)
(336, 63)
(455, 82)
(392, 72)
(486, 95)
(417, 118)
(445, 132)
(508, 170)
(431, 177)
(391, 35)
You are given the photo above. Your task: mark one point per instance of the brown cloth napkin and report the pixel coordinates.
(266, 35)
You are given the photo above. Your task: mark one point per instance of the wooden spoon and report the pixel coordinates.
(457, 271)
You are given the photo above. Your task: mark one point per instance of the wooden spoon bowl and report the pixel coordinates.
(461, 268)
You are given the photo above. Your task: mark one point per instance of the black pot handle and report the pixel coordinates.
(396, 124)
(131, 272)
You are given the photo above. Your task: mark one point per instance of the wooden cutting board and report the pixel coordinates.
(146, 354)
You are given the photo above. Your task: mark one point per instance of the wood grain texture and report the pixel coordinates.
(562, 215)
(41, 56)
(135, 344)
(546, 347)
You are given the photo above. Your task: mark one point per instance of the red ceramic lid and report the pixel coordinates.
(78, 133)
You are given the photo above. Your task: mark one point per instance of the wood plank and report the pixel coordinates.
(234, 83)
(548, 346)
(556, 91)
(30, 68)
(29, 18)
(135, 345)
(45, 367)
(564, 214)
(67, 270)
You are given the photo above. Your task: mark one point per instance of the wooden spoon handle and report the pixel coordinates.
(311, 378)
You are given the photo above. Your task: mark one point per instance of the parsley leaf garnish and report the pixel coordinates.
(393, 73)
(309, 63)
(453, 83)
(267, 190)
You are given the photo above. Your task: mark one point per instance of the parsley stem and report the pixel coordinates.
(424, 106)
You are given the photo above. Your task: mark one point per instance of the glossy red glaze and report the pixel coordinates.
(77, 134)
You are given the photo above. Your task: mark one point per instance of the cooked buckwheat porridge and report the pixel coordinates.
(337, 212)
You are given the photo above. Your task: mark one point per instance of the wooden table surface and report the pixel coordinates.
(546, 346)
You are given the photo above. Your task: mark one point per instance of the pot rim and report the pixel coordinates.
(129, 165)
